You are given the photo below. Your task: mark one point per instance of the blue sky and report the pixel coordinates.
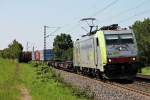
(23, 20)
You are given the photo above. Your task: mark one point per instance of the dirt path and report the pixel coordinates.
(24, 92)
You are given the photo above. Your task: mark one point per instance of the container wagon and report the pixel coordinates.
(39, 55)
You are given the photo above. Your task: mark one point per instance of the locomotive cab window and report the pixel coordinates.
(127, 38)
(127, 41)
(112, 41)
(119, 39)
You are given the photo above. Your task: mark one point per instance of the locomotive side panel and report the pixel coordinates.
(87, 53)
(90, 52)
(76, 54)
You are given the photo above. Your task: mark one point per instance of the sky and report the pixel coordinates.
(23, 20)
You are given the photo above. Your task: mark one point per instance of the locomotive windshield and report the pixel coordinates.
(127, 41)
(117, 39)
(120, 45)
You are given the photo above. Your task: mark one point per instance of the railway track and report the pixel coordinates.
(138, 86)
(141, 88)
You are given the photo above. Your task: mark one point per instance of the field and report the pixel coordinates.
(8, 80)
(40, 81)
(146, 71)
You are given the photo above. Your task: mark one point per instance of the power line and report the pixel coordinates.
(100, 10)
(141, 13)
(50, 34)
(128, 10)
(104, 8)
(72, 28)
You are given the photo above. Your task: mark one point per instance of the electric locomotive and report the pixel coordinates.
(110, 52)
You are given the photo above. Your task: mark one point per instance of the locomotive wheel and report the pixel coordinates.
(93, 73)
(98, 74)
(84, 71)
(90, 72)
(75, 69)
(78, 70)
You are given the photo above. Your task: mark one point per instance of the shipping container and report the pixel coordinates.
(43, 55)
(49, 54)
(37, 55)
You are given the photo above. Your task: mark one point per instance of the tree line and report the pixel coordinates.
(142, 33)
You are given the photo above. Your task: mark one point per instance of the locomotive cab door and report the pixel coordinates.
(98, 62)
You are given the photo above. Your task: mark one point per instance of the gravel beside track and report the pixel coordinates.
(139, 85)
(100, 90)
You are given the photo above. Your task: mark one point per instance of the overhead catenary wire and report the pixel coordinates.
(57, 28)
(99, 11)
(104, 8)
(73, 28)
(138, 14)
(121, 13)
(94, 14)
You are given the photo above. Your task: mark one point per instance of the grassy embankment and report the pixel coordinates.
(8, 80)
(44, 85)
(40, 81)
(145, 71)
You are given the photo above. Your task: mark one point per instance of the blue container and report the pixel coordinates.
(48, 54)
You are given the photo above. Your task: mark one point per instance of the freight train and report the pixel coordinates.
(25, 57)
(110, 52)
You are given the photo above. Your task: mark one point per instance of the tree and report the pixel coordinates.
(142, 33)
(6, 53)
(13, 51)
(62, 47)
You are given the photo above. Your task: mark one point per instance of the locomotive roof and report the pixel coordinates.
(123, 31)
(117, 31)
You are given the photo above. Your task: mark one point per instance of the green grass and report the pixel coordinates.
(145, 71)
(46, 86)
(40, 81)
(8, 80)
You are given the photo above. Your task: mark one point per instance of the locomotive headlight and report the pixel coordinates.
(133, 58)
(109, 60)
